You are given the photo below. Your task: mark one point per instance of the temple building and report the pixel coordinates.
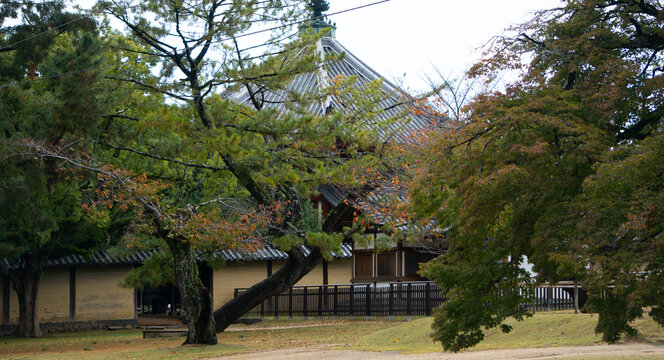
(80, 293)
(401, 262)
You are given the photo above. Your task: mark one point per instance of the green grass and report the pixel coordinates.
(551, 329)
(542, 330)
(129, 344)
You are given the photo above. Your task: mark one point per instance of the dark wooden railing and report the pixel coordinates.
(393, 299)
(562, 296)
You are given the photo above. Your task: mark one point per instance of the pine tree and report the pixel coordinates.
(40, 199)
(219, 148)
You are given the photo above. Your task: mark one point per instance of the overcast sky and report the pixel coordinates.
(412, 36)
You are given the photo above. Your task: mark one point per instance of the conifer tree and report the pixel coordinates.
(40, 199)
(270, 159)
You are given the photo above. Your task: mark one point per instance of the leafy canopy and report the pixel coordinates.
(562, 168)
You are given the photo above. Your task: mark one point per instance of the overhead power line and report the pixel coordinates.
(301, 21)
(14, 2)
(41, 33)
(176, 49)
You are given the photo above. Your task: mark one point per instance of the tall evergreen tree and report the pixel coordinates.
(272, 158)
(40, 199)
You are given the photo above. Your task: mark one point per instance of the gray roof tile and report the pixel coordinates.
(349, 65)
(103, 258)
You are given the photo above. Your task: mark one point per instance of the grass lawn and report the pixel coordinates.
(541, 330)
(377, 334)
(129, 344)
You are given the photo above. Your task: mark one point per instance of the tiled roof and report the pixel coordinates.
(333, 194)
(349, 65)
(103, 258)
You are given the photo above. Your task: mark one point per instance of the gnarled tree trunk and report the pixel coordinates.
(290, 273)
(295, 268)
(196, 298)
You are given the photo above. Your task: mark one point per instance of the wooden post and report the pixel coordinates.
(141, 300)
(576, 297)
(269, 273)
(72, 294)
(549, 296)
(335, 300)
(427, 301)
(409, 297)
(390, 301)
(304, 303)
(325, 277)
(326, 299)
(367, 304)
(290, 303)
(351, 300)
(276, 307)
(320, 301)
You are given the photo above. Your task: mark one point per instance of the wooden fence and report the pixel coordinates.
(393, 299)
(562, 296)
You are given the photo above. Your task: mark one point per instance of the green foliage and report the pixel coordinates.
(487, 301)
(157, 270)
(23, 53)
(311, 218)
(41, 198)
(246, 162)
(40, 220)
(563, 167)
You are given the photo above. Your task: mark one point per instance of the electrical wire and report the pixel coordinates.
(41, 33)
(177, 49)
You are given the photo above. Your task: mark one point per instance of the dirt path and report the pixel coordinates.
(326, 353)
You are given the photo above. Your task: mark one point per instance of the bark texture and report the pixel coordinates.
(295, 268)
(26, 285)
(196, 298)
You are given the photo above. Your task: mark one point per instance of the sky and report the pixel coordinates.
(407, 40)
(413, 37)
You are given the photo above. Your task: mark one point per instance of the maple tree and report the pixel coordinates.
(562, 168)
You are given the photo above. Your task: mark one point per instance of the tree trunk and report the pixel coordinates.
(26, 284)
(293, 270)
(196, 298)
